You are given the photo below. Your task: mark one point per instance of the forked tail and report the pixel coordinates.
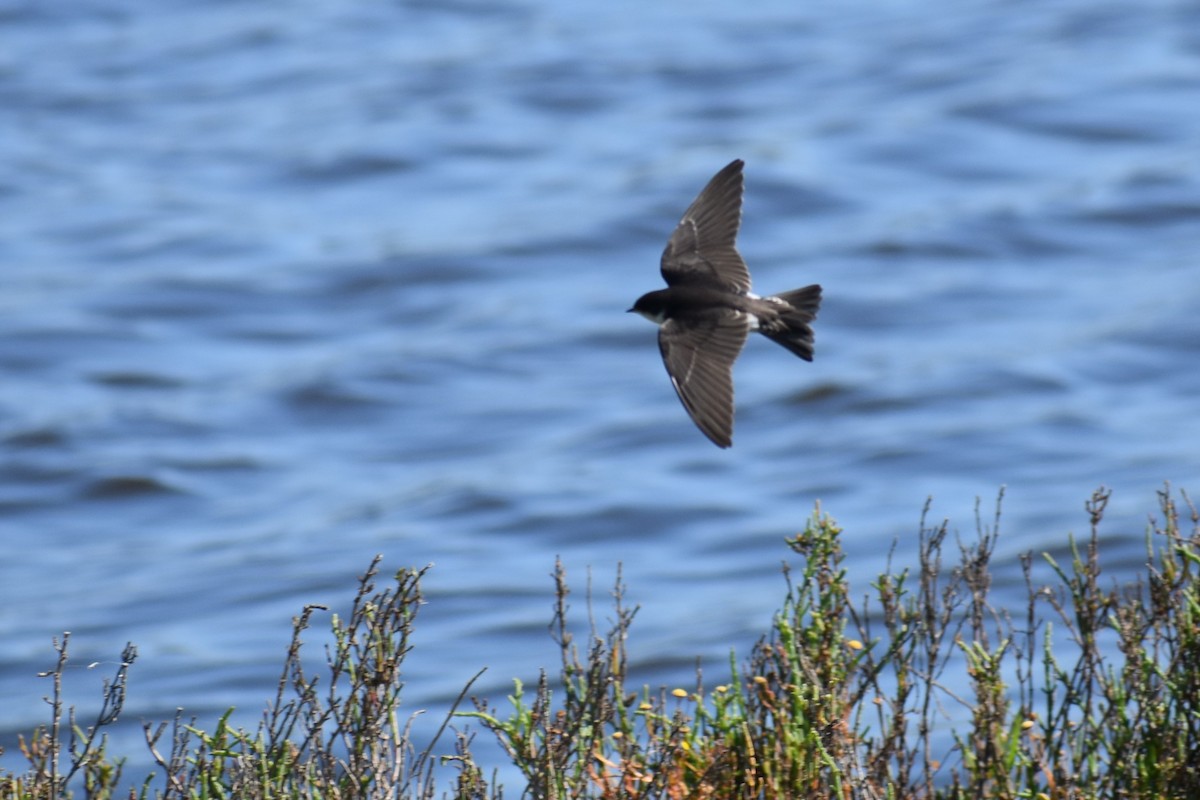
(799, 308)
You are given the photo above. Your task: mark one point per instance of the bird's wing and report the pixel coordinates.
(699, 358)
(702, 248)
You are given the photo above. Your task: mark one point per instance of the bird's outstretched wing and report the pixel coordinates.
(702, 248)
(699, 358)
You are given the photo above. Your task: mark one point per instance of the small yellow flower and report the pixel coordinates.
(645, 707)
(1027, 724)
(721, 689)
(854, 644)
(679, 692)
(617, 735)
(759, 679)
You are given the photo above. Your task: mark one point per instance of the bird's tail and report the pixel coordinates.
(793, 330)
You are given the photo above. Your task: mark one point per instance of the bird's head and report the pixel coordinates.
(652, 306)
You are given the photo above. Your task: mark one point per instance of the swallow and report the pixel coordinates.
(707, 310)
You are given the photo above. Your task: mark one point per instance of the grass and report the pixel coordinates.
(914, 686)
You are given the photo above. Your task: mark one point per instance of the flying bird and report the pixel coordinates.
(707, 310)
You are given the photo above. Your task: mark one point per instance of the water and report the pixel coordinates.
(284, 286)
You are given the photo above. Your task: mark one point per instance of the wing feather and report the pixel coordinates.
(699, 358)
(702, 249)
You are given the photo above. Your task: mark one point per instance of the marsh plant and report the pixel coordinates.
(915, 686)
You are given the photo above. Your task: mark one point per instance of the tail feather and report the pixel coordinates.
(806, 300)
(800, 309)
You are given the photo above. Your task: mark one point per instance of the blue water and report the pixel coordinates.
(286, 285)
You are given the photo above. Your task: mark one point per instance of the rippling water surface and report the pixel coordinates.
(284, 286)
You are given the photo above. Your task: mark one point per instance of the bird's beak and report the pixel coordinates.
(628, 310)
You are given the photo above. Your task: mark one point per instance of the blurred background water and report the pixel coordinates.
(286, 285)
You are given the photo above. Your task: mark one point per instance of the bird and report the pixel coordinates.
(707, 310)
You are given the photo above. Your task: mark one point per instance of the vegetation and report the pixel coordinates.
(920, 689)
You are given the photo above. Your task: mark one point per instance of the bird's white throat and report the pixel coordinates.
(657, 319)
